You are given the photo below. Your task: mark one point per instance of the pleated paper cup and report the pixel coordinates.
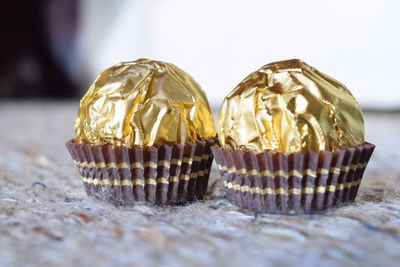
(280, 182)
(169, 174)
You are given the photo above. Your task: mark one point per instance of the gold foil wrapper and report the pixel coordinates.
(144, 103)
(289, 106)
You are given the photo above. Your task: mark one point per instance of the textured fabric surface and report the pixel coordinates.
(46, 218)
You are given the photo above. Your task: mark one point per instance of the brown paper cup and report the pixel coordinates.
(169, 174)
(295, 182)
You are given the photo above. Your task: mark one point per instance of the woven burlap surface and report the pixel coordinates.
(47, 219)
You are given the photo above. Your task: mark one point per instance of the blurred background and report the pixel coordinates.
(53, 49)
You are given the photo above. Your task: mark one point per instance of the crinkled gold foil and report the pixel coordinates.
(289, 106)
(144, 103)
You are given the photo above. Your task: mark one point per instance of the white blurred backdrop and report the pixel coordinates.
(220, 42)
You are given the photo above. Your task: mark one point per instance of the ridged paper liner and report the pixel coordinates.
(294, 182)
(168, 174)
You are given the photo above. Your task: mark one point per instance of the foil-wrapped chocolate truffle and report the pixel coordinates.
(144, 103)
(289, 106)
(144, 133)
(291, 140)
